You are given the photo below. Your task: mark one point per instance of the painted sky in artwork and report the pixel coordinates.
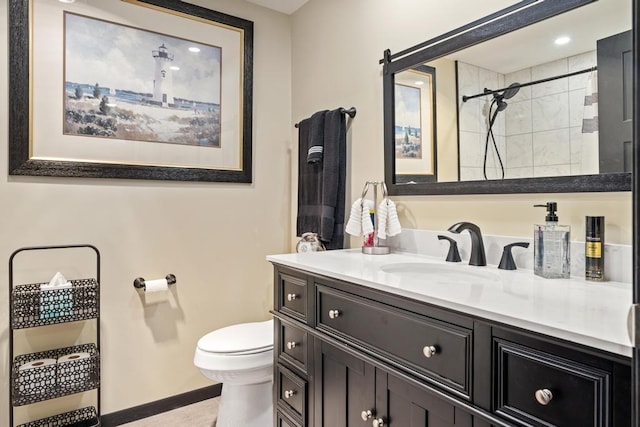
(119, 57)
(407, 106)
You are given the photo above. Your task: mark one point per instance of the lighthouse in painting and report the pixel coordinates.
(163, 80)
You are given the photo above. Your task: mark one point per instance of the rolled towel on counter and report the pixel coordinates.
(393, 223)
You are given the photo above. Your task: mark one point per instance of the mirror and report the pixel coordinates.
(512, 111)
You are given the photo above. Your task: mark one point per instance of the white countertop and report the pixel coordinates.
(588, 313)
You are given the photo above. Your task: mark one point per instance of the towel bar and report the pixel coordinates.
(351, 112)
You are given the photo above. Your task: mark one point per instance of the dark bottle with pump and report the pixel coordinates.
(594, 248)
(551, 258)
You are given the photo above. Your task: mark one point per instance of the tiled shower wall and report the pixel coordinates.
(539, 133)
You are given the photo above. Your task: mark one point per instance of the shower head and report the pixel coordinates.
(502, 105)
(511, 91)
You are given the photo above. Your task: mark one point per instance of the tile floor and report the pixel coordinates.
(201, 414)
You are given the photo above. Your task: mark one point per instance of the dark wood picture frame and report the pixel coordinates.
(20, 107)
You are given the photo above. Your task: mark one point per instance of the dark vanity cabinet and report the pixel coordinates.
(348, 355)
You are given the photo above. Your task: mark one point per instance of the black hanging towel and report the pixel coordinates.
(322, 177)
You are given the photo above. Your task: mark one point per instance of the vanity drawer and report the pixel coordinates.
(282, 420)
(293, 346)
(292, 393)
(439, 351)
(292, 296)
(543, 389)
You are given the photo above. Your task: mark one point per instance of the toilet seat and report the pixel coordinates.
(246, 346)
(244, 338)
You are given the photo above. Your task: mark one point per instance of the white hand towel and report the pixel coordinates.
(354, 224)
(393, 223)
(367, 224)
(383, 214)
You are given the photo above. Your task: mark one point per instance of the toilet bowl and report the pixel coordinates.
(241, 358)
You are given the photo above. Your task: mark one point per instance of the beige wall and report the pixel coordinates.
(213, 237)
(336, 49)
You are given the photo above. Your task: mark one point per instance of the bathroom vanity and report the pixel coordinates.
(406, 340)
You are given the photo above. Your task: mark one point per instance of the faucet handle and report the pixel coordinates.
(507, 262)
(453, 255)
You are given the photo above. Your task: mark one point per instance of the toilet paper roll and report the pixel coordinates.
(70, 374)
(37, 376)
(72, 357)
(157, 285)
(40, 363)
(157, 292)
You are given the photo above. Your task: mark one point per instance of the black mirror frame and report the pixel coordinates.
(476, 32)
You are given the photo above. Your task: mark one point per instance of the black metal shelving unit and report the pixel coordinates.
(33, 380)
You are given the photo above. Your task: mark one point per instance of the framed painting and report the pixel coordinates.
(415, 124)
(138, 89)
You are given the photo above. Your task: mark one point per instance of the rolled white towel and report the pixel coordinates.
(383, 215)
(367, 224)
(354, 224)
(393, 223)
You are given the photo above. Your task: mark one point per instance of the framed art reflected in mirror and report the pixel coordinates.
(415, 124)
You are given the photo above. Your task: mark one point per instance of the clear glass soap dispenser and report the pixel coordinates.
(551, 258)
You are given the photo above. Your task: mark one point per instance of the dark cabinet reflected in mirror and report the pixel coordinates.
(534, 98)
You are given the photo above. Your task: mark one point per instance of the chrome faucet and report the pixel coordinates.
(477, 246)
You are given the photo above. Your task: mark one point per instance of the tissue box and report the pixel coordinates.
(56, 302)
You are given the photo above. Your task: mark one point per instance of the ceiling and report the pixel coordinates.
(284, 6)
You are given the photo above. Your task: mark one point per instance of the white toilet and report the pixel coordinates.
(241, 358)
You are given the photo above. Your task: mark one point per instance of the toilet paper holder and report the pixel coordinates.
(139, 282)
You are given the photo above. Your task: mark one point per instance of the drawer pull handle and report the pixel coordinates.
(429, 350)
(379, 422)
(365, 415)
(333, 314)
(288, 394)
(544, 396)
(291, 345)
(291, 297)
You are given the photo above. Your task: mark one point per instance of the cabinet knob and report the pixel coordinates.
(291, 297)
(544, 396)
(334, 314)
(429, 350)
(365, 415)
(291, 345)
(288, 394)
(379, 422)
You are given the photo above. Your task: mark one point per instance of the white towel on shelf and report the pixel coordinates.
(393, 223)
(354, 224)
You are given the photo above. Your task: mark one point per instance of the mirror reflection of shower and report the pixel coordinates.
(541, 133)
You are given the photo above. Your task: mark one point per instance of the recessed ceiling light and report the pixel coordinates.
(194, 49)
(562, 40)
(66, 1)
(174, 68)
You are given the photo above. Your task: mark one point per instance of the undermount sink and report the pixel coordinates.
(450, 274)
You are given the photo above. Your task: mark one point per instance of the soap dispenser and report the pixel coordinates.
(551, 258)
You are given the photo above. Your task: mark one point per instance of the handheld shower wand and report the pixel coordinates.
(501, 105)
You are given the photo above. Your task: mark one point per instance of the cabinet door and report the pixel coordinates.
(344, 387)
(401, 404)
